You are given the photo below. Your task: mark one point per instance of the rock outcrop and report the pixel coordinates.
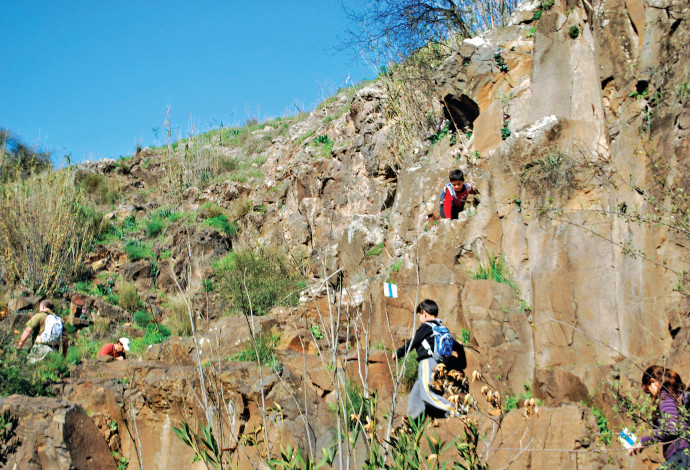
(579, 146)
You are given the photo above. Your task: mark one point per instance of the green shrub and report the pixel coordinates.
(465, 336)
(495, 269)
(316, 331)
(155, 334)
(85, 287)
(269, 278)
(325, 146)
(411, 370)
(221, 224)
(129, 295)
(154, 227)
(574, 32)
(16, 375)
(137, 250)
(52, 369)
(142, 318)
(207, 285)
(603, 425)
(266, 343)
(356, 403)
(81, 347)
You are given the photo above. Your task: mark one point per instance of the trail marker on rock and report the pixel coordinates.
(390, 290)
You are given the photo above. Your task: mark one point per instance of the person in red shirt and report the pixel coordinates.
(454, 195)
(115, 350)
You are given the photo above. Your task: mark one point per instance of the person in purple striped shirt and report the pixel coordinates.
(669, 427)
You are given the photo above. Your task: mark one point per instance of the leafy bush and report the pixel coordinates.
(266, 343)
(155, 334)
(137, 250)
(207, 285)
(495, 269)
(465, 336)
(43, 235)
(221, 223)
(129, 295)
(325, 144)
(16, 375)
(265, 276)
(81, 347)
(142, 318)
(154, 227)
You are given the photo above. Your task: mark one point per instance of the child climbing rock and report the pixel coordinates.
(454, 195)
(666, 388)
(434, 345)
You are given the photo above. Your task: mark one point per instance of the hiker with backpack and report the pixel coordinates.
(434, 344)
(670, 426)
(454, 195)
(45, 329)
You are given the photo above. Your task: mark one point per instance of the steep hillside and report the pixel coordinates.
(566, 275)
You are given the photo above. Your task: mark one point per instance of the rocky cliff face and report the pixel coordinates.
(577, 137)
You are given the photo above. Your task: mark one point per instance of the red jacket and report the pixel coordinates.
(108, 349)
(451, 199)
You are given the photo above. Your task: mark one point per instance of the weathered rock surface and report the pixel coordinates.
(599, 141)
(51, 434)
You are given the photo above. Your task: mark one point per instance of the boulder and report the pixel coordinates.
(51, 434)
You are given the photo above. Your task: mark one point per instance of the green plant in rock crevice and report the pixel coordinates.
(264, 345)
(496, 269)
(512, 402)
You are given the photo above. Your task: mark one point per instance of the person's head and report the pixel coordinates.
(45, 305)
(122, 345)
(428, 309)
(656, 378)
(457, 179)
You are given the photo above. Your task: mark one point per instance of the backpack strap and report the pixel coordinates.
(425, 341)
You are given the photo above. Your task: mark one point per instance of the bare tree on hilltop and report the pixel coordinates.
(407, 25)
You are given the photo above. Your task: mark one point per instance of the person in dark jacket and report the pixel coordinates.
(423, 397)
(669, 428)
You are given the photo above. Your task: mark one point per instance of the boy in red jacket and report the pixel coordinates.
(454, 195)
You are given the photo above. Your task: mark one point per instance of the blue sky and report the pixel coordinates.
(94, 78)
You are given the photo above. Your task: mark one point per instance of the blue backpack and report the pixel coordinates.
(443, 342)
